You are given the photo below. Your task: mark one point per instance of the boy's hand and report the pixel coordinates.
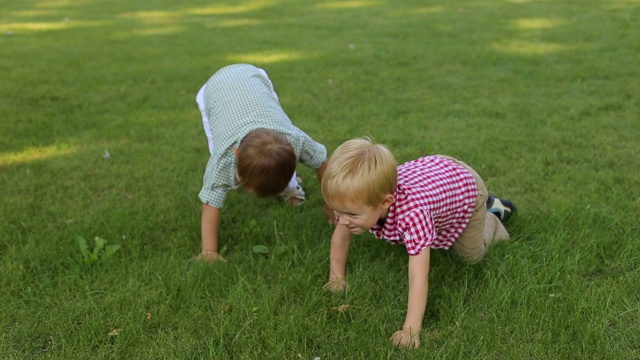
(331, 216)
(406, 338)
(210, 256)
(335, 285)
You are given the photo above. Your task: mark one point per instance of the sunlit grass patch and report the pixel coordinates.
(347, 4)
(223, 9)
(536, 23)
(523, 47)
(36, 153)
(269, 57)
(62, 24)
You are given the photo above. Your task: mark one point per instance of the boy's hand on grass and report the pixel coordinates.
(210, 256)
(406, 338)
(335, 285)
(331, 216)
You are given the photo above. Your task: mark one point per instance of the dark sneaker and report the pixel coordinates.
(502, 208)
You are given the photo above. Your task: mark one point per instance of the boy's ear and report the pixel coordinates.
(388, 200)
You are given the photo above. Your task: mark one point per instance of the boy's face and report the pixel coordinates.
(359, 217)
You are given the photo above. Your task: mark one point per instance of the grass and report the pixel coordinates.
(541, 97)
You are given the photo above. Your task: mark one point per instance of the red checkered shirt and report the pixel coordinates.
(434, 201)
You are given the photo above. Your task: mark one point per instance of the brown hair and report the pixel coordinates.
(265, 162)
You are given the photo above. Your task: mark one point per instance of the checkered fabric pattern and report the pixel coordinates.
(434, 202)
(237, 99)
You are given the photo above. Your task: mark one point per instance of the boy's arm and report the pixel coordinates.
(340, 241)
(409, 336)
(320, 171)
(327, 210)
(209, 229)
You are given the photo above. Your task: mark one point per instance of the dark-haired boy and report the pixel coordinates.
(252, 144)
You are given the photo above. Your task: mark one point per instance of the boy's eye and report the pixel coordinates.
(344, 214)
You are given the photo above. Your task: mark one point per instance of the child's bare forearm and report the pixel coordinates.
(418, 290)
(340, 242)
(209, 228)
(320, 171)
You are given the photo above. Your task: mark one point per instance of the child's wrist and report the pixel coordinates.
(412, 329)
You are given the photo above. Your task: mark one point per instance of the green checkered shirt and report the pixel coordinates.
(237, 99)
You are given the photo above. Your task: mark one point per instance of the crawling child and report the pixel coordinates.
(252, 144)
(434, 202)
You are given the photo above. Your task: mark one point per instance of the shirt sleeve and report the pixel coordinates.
(418, 231)
(217, 182)
(311, 153)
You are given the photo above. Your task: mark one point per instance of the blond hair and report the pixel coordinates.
(265, 162)
(361, 171)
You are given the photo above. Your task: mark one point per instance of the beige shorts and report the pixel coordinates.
(483, 227)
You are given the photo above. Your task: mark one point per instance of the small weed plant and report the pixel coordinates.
(100, 250)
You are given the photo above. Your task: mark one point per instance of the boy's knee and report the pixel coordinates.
(473, 258)
(470, 255)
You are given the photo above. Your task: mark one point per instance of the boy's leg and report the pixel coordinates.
(294, 194)
(293, 183)
(471, 244)
(483, 228)
(205, 119)
(494, 230)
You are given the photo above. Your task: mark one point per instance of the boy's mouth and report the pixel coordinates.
(353, 228)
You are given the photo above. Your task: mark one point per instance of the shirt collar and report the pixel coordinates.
(389, 226)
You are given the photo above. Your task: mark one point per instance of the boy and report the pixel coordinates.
(435, 202)
(252, 143)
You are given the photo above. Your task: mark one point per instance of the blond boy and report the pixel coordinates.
(252, 144)
(434, 202)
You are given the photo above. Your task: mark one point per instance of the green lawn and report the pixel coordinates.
(541, 97)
